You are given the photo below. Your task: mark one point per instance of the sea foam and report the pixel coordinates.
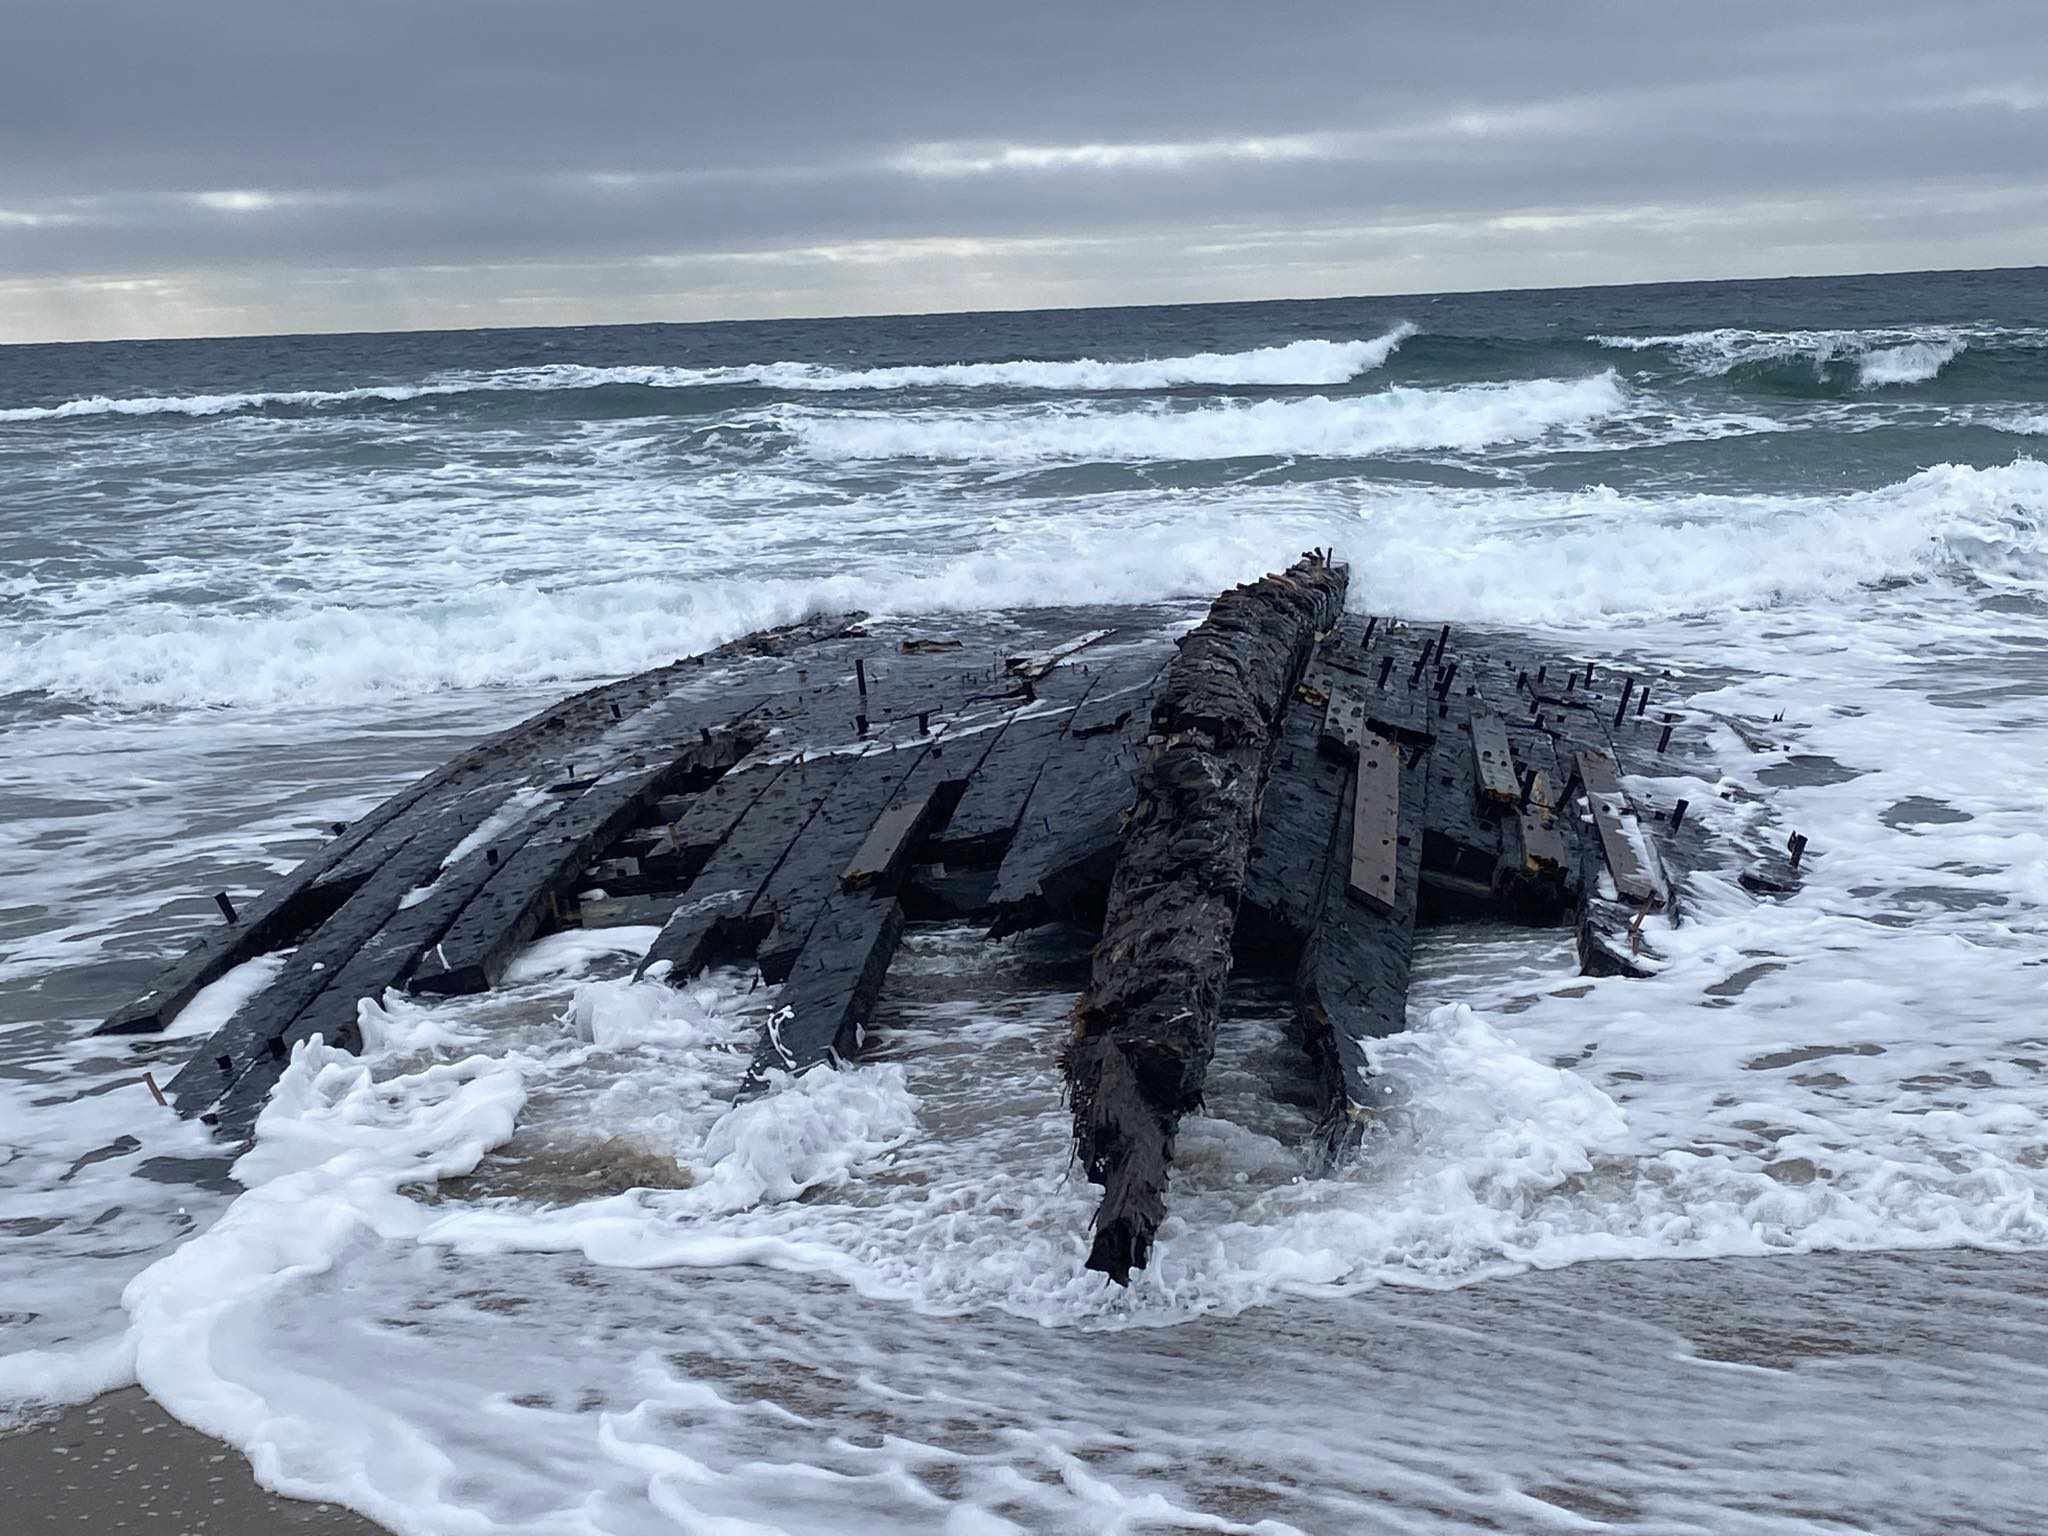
(1880, 357)
(1499, 555)
(1306, 362)
(1389, 421)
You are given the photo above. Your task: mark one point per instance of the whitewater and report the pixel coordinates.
(1756, 1245)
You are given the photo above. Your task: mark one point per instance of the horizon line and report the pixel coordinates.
(1033, 309)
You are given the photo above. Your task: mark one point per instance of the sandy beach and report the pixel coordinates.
(123, 1464)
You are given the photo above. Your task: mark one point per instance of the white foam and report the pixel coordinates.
(868, 1307)
(575, 950)
(214, 1004)
(1307, 362)
(1391, 421)
(518, 805)
(1509, 555)
(1881, 356)
(223, 404)
(1913, 363)
(36, 1382)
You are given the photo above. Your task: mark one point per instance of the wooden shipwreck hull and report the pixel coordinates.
(1287, 788)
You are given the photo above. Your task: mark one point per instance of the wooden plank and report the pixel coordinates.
(1352, 984)
(389, 896)
(979, 831)
(1610, 805)
(318, 887)
(797, 890)
(1376, 822)
(1543, 845)
(1304, 795)
(1059, 862)
(726, 888)
(1496, 763)
(522, 893)
(381, 961)
(883, 856)
(1033, 668)
(1344, 716)
(708, 819)
(830, 995)
(269, 922)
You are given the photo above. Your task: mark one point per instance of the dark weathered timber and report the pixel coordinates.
(708, 913)
(831, 990)
(979, 831)
(384, 960)
(1145, 1028)
(255, 1030)
(1604, 794)
(1291, 847)
(313, 892)
(885, 853)
(707, 820)
(1494, 760)
(268, 923)
(1352, 984)
(1464, 844)
(1543, 842)
(304, 899)
(984, 823)
(797, 891)
(1059, 861)
(525, 889)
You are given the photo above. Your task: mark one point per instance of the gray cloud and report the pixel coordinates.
(250, 166)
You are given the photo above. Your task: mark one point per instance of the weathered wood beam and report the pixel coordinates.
(1145, 1028)
(1352, 984)
(1292, 845)
(1609, 805)
(831, 988)
(724, 891)
(1059, 861)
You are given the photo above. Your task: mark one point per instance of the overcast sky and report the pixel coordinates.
(230, 166)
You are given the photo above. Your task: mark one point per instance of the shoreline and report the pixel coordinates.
(1812, 1322)
(122, 1462)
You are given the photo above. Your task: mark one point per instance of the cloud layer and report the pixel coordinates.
(255, 167)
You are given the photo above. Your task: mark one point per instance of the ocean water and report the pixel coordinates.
(1756, 1245)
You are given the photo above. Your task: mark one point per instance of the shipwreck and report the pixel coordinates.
(1285, 787)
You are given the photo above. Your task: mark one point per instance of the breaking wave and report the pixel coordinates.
(225, 405)
(1493, 555)
(1392, 421)
(1296, 363)
(1877, 358)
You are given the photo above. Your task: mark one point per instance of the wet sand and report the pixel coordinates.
(123, 1464)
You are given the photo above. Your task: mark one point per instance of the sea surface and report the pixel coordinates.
(1754, 1246)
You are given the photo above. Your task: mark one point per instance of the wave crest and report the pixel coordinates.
(1295, 363)
(1880, 356)
(223, 405)
(1392, 421)
(1513, 557)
